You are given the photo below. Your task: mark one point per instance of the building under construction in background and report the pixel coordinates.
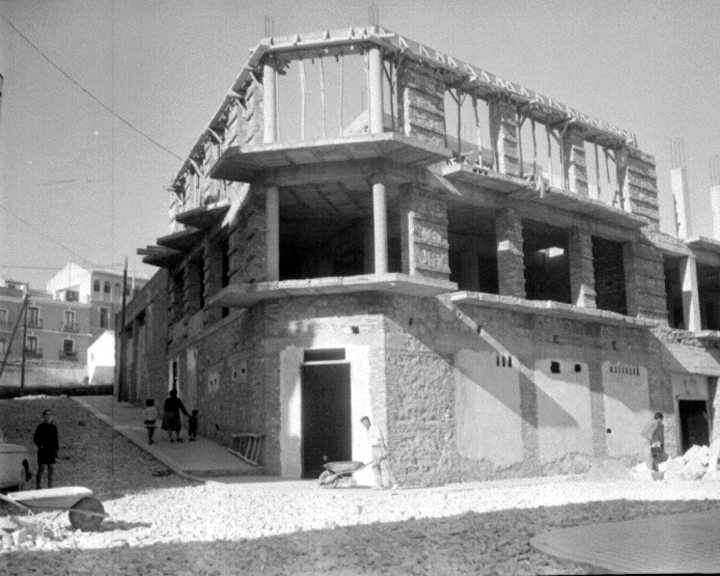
(368, 226)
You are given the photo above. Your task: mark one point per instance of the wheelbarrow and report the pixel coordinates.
(337, 472)
(86, 512)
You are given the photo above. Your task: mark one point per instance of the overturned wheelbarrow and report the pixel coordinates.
(86, 512)
(341, 472)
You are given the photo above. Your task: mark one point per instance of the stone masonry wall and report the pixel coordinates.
(421, 102)
(424, 231)
(511, 262)
(637, 180)
(247, 242)
(575, 168)
(582, 279)
(645, 271)
(504, 134)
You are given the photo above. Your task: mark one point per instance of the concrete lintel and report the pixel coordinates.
(246, 295)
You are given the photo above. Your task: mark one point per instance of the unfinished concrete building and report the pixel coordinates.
(371, 227)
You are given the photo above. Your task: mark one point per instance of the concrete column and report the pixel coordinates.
(272, 233)
(715, 203)
(380, 227)
(375, 99)
(678, 184)
(691, 300)
(511, 259)
(582, 273)
(269, 103)
(574, 164)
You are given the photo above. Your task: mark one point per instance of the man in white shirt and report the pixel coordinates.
(381, 469)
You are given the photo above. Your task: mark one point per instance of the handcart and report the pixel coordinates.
(85, 511)
(341, 473)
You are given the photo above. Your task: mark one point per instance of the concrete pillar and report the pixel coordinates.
(691, 300)
(511, 259)
(272, 233)
(574, 164)
(582, 274)
(715, 203)
(678, 184)
(375, 99)
(380, 230)
(269, 103)
(504, 135)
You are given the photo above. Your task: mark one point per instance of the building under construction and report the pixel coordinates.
(369, 226)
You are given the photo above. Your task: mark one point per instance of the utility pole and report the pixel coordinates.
(24, 344)
(123, 341)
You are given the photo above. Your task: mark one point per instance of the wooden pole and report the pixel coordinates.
(122, 396)
(22, 369)
(12, 337)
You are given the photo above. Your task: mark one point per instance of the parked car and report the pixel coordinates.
(14, 466)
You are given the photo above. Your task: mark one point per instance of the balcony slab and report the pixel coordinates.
(246, 295)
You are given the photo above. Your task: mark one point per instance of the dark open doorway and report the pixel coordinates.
(693, 423)
(326, 416)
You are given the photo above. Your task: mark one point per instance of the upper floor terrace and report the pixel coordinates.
(340, 135)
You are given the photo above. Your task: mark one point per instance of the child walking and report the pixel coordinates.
(150, 416)
(192, 426)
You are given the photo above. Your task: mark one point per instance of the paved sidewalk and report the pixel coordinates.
(677, 544)
(201, 460)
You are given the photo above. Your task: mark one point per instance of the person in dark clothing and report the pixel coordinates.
(46, 439)
(171, 417)
(192, 426)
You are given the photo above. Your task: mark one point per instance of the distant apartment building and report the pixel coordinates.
(56, 337)
(69, 335)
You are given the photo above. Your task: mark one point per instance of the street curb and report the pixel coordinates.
(154, 453)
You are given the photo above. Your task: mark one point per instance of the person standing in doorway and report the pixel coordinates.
(46, 439)
(381, 468)
(654, 439)
(171, 417)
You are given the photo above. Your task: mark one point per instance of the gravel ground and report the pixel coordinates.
(163, 525)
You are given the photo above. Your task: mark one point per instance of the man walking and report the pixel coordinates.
(381, 469)
(46, 439)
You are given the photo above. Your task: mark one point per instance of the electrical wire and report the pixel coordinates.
(90, 94)
(47, 237)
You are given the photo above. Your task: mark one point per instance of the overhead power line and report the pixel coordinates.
(46, 236)
(90, 94)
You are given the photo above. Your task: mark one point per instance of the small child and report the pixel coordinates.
(192, 426)
(150, 416)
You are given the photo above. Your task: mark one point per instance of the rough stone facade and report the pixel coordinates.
(560, 360)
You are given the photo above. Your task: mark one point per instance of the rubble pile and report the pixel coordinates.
(31, 532)
(693, 465)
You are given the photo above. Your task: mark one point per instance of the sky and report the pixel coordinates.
(84, 78)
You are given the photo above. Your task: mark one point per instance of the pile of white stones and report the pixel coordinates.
(693, 465)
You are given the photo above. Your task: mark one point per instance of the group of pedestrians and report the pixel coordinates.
(171, 421)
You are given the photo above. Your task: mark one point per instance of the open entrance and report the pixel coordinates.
(694, 426)
(326, 416)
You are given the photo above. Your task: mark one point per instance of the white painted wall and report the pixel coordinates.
(487, 409)
(291, 360)
(101, 353)
(563, 408)
(627, 409)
